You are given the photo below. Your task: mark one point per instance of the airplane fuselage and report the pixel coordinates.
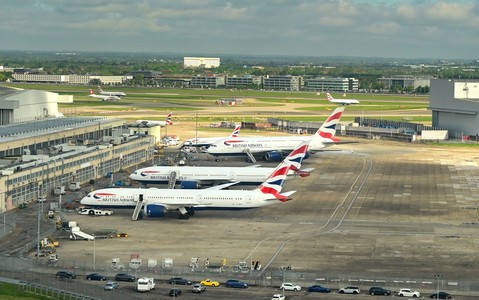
(203, 175)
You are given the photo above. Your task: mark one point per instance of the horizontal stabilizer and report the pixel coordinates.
(304, 172)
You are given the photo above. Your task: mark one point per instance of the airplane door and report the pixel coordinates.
(248, 200)
(232, 175)
(200, 199)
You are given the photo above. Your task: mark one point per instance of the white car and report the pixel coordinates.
(350, 290)
(290, 287)
(408, 293)
(278, 297)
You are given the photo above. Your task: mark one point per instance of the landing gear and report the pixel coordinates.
(184, 216)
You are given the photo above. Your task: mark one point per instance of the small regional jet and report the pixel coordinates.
(166, 122)
(104, 97)
(341, 101)
(157, 202)
(274, 147)
(205, 142)
(118, 94)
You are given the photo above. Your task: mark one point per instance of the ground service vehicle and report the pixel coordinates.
(288, 286)
(378, 290)
(179, 280)
(209, 282)
(145, 284)
(199, 288)
(124, 277)
(408, 293)
(95, 212)
(233, 283)
(318, 289)
(350, 290)
(65, 274)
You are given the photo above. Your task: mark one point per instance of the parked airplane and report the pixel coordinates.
(341, 101)
(196, 177)
(273, 147)
(164, 123)
(118, 94)
(205, 142)
(157, 202)
(104, 97)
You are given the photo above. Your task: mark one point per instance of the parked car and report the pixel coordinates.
(209, 282)
(278, 297)
(175, 292)
(408, 293)
(111, 285)
(288, 286)
(350, 290)
(378, 290)
(179, 280)
(125, 277)
(199, 288)
(96, 276)
(442, 295)
(318, 289)
(233, 283)
(65, 274)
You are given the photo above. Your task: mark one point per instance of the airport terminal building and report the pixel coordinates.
(47, 151)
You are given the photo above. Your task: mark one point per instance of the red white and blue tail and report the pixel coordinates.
(168, 119)
(328, 129)
(330, 98)
(236, 131)
(295, 158)
(274, 183)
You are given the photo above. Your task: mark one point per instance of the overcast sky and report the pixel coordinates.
(388, 28)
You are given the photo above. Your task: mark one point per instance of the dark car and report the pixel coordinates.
(65, 274)
(179, 280)
(318, 289)
(175, 292)
(378, 290)
(233, 283)
(96, 276)
(442, 295)
(124, 277)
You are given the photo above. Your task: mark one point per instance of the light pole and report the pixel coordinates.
(437, 276)
(94, 253)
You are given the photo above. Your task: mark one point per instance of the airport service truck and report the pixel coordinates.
(145, 284)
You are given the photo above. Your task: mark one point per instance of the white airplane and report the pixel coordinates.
(274, 147)
(150, 123)
(196, 177)
(157, 202)
(205, 142)
(341, 101)
(104, 97)
(118, 94)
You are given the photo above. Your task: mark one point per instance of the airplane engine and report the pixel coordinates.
(273, 156)
(155, 210)
(190, 184)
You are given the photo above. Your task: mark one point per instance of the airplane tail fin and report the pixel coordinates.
(328, 129)
(274, 183)
(168, 119)
(236, 131)
(330, 98)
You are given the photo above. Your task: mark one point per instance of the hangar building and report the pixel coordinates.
(45, 152)
(455, 105)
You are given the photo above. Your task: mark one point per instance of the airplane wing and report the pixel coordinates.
(222, 186)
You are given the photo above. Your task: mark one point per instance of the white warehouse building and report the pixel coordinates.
(455, 106)
(201, 62)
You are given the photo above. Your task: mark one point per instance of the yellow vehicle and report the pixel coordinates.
(209, 282)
